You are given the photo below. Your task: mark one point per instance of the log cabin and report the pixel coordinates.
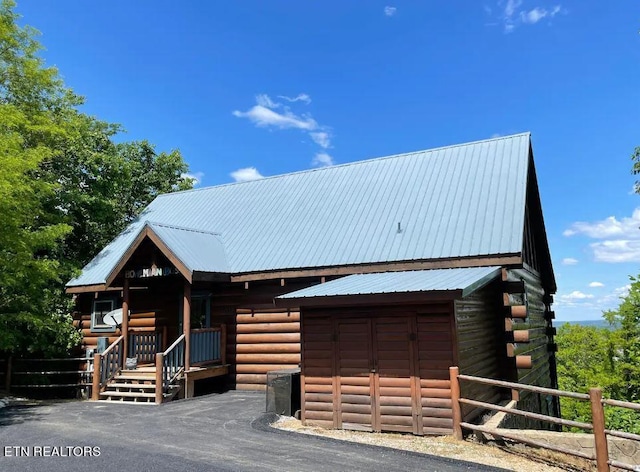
(373, 277)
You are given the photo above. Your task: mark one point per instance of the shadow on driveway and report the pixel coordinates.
(220, 432)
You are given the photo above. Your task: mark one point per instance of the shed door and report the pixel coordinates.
(355, 374)
(395, 381)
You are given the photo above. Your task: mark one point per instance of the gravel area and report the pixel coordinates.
(444, 446)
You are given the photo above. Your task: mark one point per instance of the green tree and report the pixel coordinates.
(66, 189)
(31, 102)
(103, 186)
(606, 358)
(626, 342)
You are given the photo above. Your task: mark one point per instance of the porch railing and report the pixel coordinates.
(106, 366)
(207, 345)
(145, 343)
(169, 367)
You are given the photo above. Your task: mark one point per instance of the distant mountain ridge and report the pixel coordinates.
(602, 323)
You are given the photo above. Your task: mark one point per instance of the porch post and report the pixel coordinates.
(186, 325)
(124, 329)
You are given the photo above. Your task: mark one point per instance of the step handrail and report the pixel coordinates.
(176, 342)
(111, 357)
(169, 366)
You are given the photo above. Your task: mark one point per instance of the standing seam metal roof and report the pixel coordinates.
(467, 280)
(463, 200)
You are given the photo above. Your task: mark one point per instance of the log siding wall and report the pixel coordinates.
(481, 345)
(263, 340)
(539, 347)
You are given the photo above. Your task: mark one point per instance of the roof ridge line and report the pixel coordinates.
(346, 164)
(182, 228)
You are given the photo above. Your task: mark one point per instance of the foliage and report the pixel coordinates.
(606, 358)
(66, 189)
(627, 343)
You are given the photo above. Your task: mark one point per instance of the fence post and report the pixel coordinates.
(159, 377)
(455, 402)
(95, 384)
(600, 437)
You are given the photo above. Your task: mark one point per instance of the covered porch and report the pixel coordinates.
(167, 338)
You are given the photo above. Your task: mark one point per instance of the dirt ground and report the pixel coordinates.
(516, 458)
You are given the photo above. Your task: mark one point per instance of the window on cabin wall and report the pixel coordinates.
(99, 311)
(200, 311)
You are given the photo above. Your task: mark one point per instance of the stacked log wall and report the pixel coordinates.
(481, 345)
(263, 340)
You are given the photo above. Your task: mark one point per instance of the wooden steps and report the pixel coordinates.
(135, 386)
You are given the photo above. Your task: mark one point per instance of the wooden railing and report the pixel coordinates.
(66, 373)
(145, 343)
(207, 345)
(169, 367)
(597, 427)
(106, 366)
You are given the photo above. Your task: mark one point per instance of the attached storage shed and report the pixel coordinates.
(377, 347)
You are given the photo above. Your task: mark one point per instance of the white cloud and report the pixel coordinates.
(613, 299)
(569, 261)
(575, 295)
(620, 237)
(196, 176)
(611, 226)
(533, 16)
(246, 174)
(301, 97)
(511, 7)
(390, 11)
(321, 138)
(513, 15)
(265, 117)
(614, 251)
(268, 113)
(322, 159)
(596, 284)
(265, 101)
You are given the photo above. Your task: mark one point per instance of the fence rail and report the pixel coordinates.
(597, 427)
(53, 373)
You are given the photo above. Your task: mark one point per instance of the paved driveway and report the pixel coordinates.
(225, 432)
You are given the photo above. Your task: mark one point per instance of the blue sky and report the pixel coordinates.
(253, 88)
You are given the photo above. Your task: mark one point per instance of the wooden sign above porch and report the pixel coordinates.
(150, 272)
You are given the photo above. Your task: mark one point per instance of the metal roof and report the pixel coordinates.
(197, 250)
(467, 280)
(456, 201)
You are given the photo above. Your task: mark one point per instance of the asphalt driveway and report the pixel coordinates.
(219, 432)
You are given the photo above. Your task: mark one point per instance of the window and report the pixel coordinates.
(100, 309)
(200, 311)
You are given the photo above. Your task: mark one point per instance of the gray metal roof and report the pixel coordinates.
(467, 280)
(463, 200)
(197, 250)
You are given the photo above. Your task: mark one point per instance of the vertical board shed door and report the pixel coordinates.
(355, 377)
(396, 392)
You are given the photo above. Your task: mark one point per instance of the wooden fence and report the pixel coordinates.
(597, 427)
(25, 374)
